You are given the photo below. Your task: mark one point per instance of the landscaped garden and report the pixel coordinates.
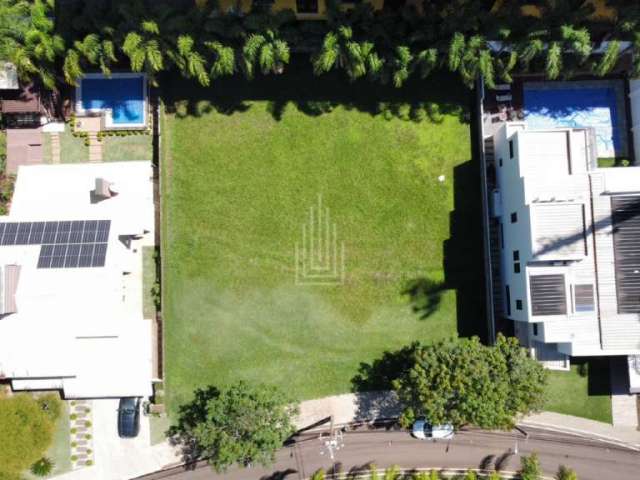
(241, 172)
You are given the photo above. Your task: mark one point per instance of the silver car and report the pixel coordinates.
(422, 430)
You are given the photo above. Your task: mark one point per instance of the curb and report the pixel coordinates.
(583, 434)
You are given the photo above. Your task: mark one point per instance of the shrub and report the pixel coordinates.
(530, 468)
(433, 110)
(89, 451)
(73, 430)
(87, 424)
(318, 475)
(42, 467)
(74, 458)
(73, 444)
(73, 416)
(392, 473)
(89, 462)
(565, 473)
(87, 436)
(583, 369)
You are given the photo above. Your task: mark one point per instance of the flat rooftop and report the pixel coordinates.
(71, 279)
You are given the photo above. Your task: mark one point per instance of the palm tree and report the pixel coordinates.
(340, 50)
(400, 65)
(426, 61)
(266, 51)
(190, 62)
(553, 64)
(27, 39)
(97, 50)
(72, 69)
(223, 60)
(143, 49)
(471, 58)
(609, 59)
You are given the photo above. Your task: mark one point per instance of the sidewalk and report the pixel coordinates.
(378, 405)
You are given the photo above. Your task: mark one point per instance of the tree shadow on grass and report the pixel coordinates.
(425, 296)
(418, 100)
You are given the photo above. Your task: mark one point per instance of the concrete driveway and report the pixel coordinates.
(120, 458)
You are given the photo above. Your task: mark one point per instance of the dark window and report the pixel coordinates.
(516, 267)
(514, 217)
(548, 295)
(516, 255)
(508, 300)
(518, 304)
(500, 161)
(510, 148)
(584, 298)
(501, 236)
(535, 329)
(307, 6)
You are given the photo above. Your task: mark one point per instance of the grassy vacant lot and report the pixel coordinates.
(241, 171)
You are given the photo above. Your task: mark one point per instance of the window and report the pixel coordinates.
(500, 161)
(518, 304)
(516, 267)
(508, 300)
(307, 6)
(514, 217)
(516, 255)
(584, 298)
(510, 148)
(535, 329)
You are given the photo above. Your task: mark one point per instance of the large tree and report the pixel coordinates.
(242, 424)
(461, 381)
(26, 429)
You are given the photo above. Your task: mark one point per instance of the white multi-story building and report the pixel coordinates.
(569, 243)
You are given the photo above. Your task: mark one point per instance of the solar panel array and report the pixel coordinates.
(66, 244)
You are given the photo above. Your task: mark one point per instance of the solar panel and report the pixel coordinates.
(44, 261)
(37, 230)
(50, 229)
(9, 236)
(22, 237)
(64, 244)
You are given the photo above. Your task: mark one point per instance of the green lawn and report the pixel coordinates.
(148, 281)
(568, 393)
(60, 450)
(239, 179)
(73, 149)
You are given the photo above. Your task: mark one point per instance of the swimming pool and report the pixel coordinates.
(123, 98)
(597, 104)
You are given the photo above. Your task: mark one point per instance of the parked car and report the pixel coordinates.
(129, 417)
(423, 430)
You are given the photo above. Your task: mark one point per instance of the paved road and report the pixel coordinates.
(591, 459)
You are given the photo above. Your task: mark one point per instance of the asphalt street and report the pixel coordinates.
(592, 459)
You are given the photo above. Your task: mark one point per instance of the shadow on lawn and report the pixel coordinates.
(463, 252)
(298, 87)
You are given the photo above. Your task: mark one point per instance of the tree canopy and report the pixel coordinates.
(29, 424)
(473, 38)
(242, 424)
(461, 381)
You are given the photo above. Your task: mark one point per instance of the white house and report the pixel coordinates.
(570, 243)
(71, 315)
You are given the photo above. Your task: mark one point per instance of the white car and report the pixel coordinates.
(423, 431)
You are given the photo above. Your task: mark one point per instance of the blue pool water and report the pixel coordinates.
(549, 105)
(124, 96)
